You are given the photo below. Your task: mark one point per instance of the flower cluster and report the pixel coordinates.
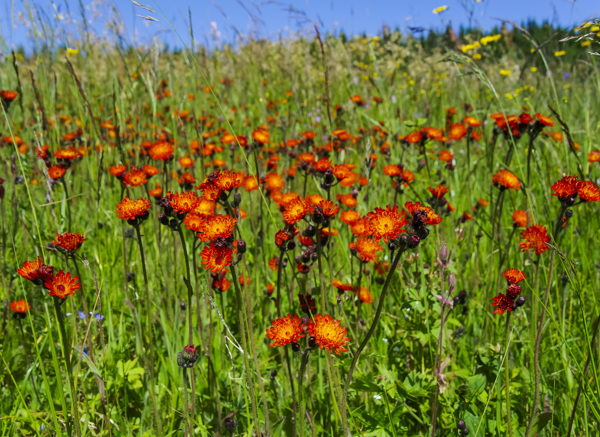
(512, 299)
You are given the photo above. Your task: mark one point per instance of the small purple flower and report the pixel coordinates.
(367, 105)
(317, 119)
(567, 75)
(393, 99)
(355, 80)
(99, 317)
(318, 110)
(222, 118)
(81, 315)
(310, 114)
(325, 138)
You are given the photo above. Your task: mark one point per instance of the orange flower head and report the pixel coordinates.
(414, 137)
(392, 170)
(194, 221)
(274, 182)
(588, 191)
(407, 176)
(502, 303)
(386, 223)
(360, 227)
(186, 162)
(150, 170)
(341, 286)
(446, 156)
(431, 218)
(347, 200)
(328, 208)
(216, 227)
(439, 191)
(545, 120)
(520, 218)
(342, 171)
(56, 171)
(328, 333)
(535, 238)
(183, 202)
(323, 164)
(261, 136)
(250, 183)
(286, 330)
(215, 258)
(68, 241)
(349, 217)
(514, 276)
(117, 170)
(506, 179)
(135, 178)
(9, 95)
(457, 131)
(296, 210)
(161, 151)
(364, 295)
(62, 285)
(205, 207)
(132, 210)
(36, 271)
(471, 121)
(366, 249)
(566, 188)
(20, 307)
(67, 154)
(594, 156)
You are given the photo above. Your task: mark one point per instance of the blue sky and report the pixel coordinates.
(221, 19)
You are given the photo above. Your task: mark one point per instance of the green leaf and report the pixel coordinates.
(539, 423)
(85, 357)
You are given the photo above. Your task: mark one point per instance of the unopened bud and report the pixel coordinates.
(444, 254)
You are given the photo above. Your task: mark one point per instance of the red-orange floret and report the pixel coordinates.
(328, 333)
(386, 223)
(286, 330)
(535, 238)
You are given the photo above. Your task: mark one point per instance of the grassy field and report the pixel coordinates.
(291, 173)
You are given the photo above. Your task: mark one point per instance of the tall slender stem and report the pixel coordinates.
(438, 358)
(67, 355)
(507, 375)
(303, 363)
(363, 344)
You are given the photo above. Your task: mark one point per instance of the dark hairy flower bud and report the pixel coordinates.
(413, 241)
(461, 424)
(568, 213)
(312, 342)
(241, 247)
(310, 231)
(163, 219)
(519, 301)
(187, 357)
(273, 374)
(291, 245)
(295, 347)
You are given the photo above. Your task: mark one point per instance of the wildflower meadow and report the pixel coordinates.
(326, 235)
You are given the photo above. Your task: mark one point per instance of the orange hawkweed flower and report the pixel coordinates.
(328, 208)
(439, 191)
(228, 180)
(471, 121)
(446, 156)
(386, 223)
(349, 217)
(216, 226)
(341, 286)
(215, 258)
(328, 333)
(274, 182)
(186, 162)
(62, 285)
(535, 238)
(366, 249)
(594, 156)
(9, 95)
(20, 306)
(296, 210)
(431, 217)
(183, 202)
(520, 218)
(68, 241)
(161, 151)
(391, 170)
(205, 207)
(36, 271)
(70, 153)
(342, 171)
(133, 209)
(503, 303)
(566, 188)
(56, 171)
(347, 200)
(506, 179)
(588, 191)
(514, 276)
(150, 170)
(545, 120)
(194, 221)
(286, 330)
(364, 295)
(360, 227)
(135, 178)
(457, 131)
(250, 183)
(414, 137)
(117, 170)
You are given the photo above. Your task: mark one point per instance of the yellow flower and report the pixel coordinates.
(533, 69)
(71, 51)
(586, 43)
(560, 53)
(440, 9)
(477, 56)
(595, 28)
(505, 72)
(490, 38)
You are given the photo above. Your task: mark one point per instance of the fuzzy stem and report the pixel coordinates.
(363, 344)
(67, 355)
(301, 401)
(507, 375)
(438, 358)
